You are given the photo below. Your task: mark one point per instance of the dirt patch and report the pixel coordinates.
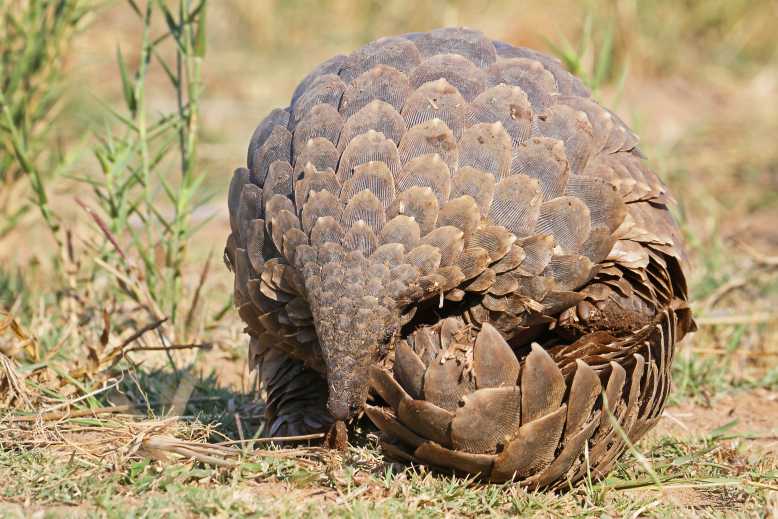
(754, 413)
(746, 424)
(692, 502)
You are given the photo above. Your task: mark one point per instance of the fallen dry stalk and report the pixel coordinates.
(161, 446)
(138, 334)
(79, 413)
(277, 439)
(114, 383)
(22, 339)
(12, 391)
(196, 346)
(115, 438)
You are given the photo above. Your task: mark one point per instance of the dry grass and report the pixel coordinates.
(110, 409)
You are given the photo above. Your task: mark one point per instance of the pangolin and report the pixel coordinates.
(452, 229)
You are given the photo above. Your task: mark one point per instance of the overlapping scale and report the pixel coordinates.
(427, 171)
(378, 116)
(465, 42)
(544, 159)
(277, 146)
(437, 99)
(486, 147)
(506, 104)
(529, 75)
(568, 220)
(516, 204)
(456, 70)
(573, 128)
(371, 146)
(396, 52)
(567, 84)
(325, 89)
(323, 120)
(380, 83)
(318, 153)
(430, 137)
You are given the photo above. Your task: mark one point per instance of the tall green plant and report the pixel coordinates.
(35, 36)
(593, 56)
(138, 196)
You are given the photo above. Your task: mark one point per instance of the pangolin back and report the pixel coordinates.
(459, 219)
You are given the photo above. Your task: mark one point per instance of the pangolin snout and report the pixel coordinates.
(342, 409)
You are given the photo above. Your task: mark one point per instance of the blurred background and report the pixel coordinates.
(122, 122)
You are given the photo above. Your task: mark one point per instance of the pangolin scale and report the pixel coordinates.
(452, 229)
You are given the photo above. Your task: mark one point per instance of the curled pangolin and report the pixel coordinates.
(452, 228)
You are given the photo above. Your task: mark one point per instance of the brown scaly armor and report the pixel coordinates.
(453, 228)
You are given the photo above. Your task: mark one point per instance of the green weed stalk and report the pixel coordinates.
(138, 196)
(35, 36)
